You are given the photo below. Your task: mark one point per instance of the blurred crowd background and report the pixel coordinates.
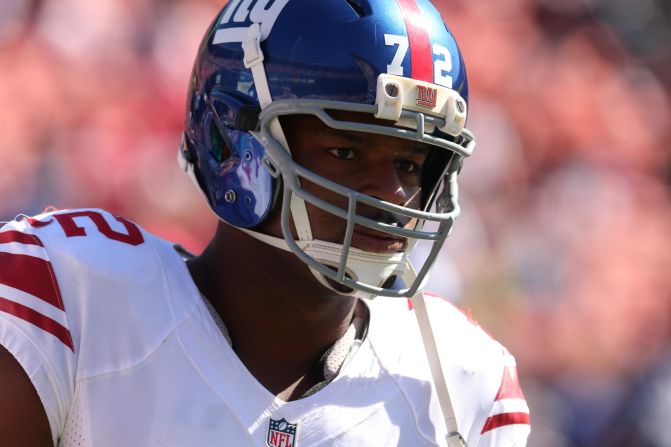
(562, 251)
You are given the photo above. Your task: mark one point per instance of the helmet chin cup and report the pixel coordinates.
(362, 267)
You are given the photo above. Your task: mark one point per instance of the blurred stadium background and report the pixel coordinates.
(563, 250)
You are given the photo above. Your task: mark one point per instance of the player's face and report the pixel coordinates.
(380, 166)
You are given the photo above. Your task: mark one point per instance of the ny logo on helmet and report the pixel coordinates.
(239, 15)
(426, 96)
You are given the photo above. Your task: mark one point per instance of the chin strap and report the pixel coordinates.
(253, 60)
(364, 266)
(453, 438)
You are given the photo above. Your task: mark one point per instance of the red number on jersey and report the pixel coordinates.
(72, 229)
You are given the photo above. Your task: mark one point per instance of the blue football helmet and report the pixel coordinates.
(394, 60)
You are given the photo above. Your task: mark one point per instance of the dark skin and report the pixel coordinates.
(278, 303)
(23, 422)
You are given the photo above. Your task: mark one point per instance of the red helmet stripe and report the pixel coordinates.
(421, 56)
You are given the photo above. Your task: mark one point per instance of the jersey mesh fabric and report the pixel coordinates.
(74, 434)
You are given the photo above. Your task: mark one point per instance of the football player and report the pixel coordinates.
(327, 137)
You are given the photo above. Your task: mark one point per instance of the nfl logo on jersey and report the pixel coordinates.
(281, 433)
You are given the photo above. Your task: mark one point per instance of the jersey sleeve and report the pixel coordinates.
(33, 321)
(482, 377)
(508, 421)
(83, 294)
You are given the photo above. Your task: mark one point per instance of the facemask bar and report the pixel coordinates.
(318, 108)
(279, 161)
(341, 274)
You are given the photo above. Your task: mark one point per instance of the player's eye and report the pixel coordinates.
(406, 165)
(342, 153)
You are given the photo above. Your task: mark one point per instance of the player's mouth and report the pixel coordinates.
(377, 242)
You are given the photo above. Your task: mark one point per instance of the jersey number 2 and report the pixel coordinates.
(72, 229)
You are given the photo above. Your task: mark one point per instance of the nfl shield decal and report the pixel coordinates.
(281, 433)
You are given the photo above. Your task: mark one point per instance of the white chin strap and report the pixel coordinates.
(254, 61)
(453, 437)
(363, 266)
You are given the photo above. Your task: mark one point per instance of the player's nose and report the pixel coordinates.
(382, 181)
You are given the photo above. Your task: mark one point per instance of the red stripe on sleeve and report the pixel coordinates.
(31, 275)
(31, 316)
(510, 385)
(503, 419)
(17, 236)
(421, 55)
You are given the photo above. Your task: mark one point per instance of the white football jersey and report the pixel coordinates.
(122, 350)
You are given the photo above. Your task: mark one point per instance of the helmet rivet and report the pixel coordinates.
(229, 196)
(460, 106)
(391, 89)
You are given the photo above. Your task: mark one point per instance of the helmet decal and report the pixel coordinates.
(239, 15)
